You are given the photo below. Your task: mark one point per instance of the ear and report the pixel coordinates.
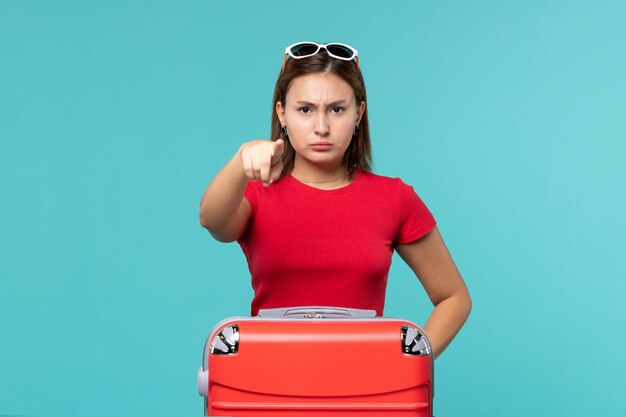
(280, 111)
(360, 110)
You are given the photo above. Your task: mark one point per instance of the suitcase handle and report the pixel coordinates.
(317, 312)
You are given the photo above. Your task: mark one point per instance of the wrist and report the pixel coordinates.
(238, 161)
(240, 150)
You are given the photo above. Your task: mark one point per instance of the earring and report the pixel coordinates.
(283, 130)
(356, 131)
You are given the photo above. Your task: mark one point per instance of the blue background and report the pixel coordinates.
(508, 118)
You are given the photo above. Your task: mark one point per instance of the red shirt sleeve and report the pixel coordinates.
(414, 218)
(252, 193)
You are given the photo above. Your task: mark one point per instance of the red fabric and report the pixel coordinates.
(306, 246)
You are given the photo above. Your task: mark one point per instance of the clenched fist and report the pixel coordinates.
(262, 160)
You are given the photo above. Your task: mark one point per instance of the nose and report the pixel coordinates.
(321, 125)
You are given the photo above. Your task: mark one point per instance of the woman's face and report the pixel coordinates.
(320, 108)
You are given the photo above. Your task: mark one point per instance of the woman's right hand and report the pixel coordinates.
(262, 159)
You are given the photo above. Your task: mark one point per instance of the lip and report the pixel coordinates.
(321, 144)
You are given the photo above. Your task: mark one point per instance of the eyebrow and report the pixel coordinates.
(308, 103)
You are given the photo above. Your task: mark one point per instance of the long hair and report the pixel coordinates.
(359, 152)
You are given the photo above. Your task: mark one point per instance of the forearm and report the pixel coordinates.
(446, 320)
(223, 195)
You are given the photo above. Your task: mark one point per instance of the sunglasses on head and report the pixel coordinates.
(301, 50)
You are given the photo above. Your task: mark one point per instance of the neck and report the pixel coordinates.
(315, 174)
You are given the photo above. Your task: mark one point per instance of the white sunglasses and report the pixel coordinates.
(301, 50)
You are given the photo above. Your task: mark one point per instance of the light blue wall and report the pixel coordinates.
(508, 118)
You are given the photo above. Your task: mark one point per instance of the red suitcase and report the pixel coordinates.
(317, 361)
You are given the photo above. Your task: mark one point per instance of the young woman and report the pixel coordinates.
(317, 227)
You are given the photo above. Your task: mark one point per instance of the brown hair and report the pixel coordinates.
(359, 152)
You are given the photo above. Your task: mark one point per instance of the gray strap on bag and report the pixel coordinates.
(317, 312)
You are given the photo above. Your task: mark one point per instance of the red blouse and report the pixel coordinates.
(307, 246)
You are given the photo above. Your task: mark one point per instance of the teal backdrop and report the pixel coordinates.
(508, 118)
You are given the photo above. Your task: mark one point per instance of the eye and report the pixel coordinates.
(303, 108)
(338, 109)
